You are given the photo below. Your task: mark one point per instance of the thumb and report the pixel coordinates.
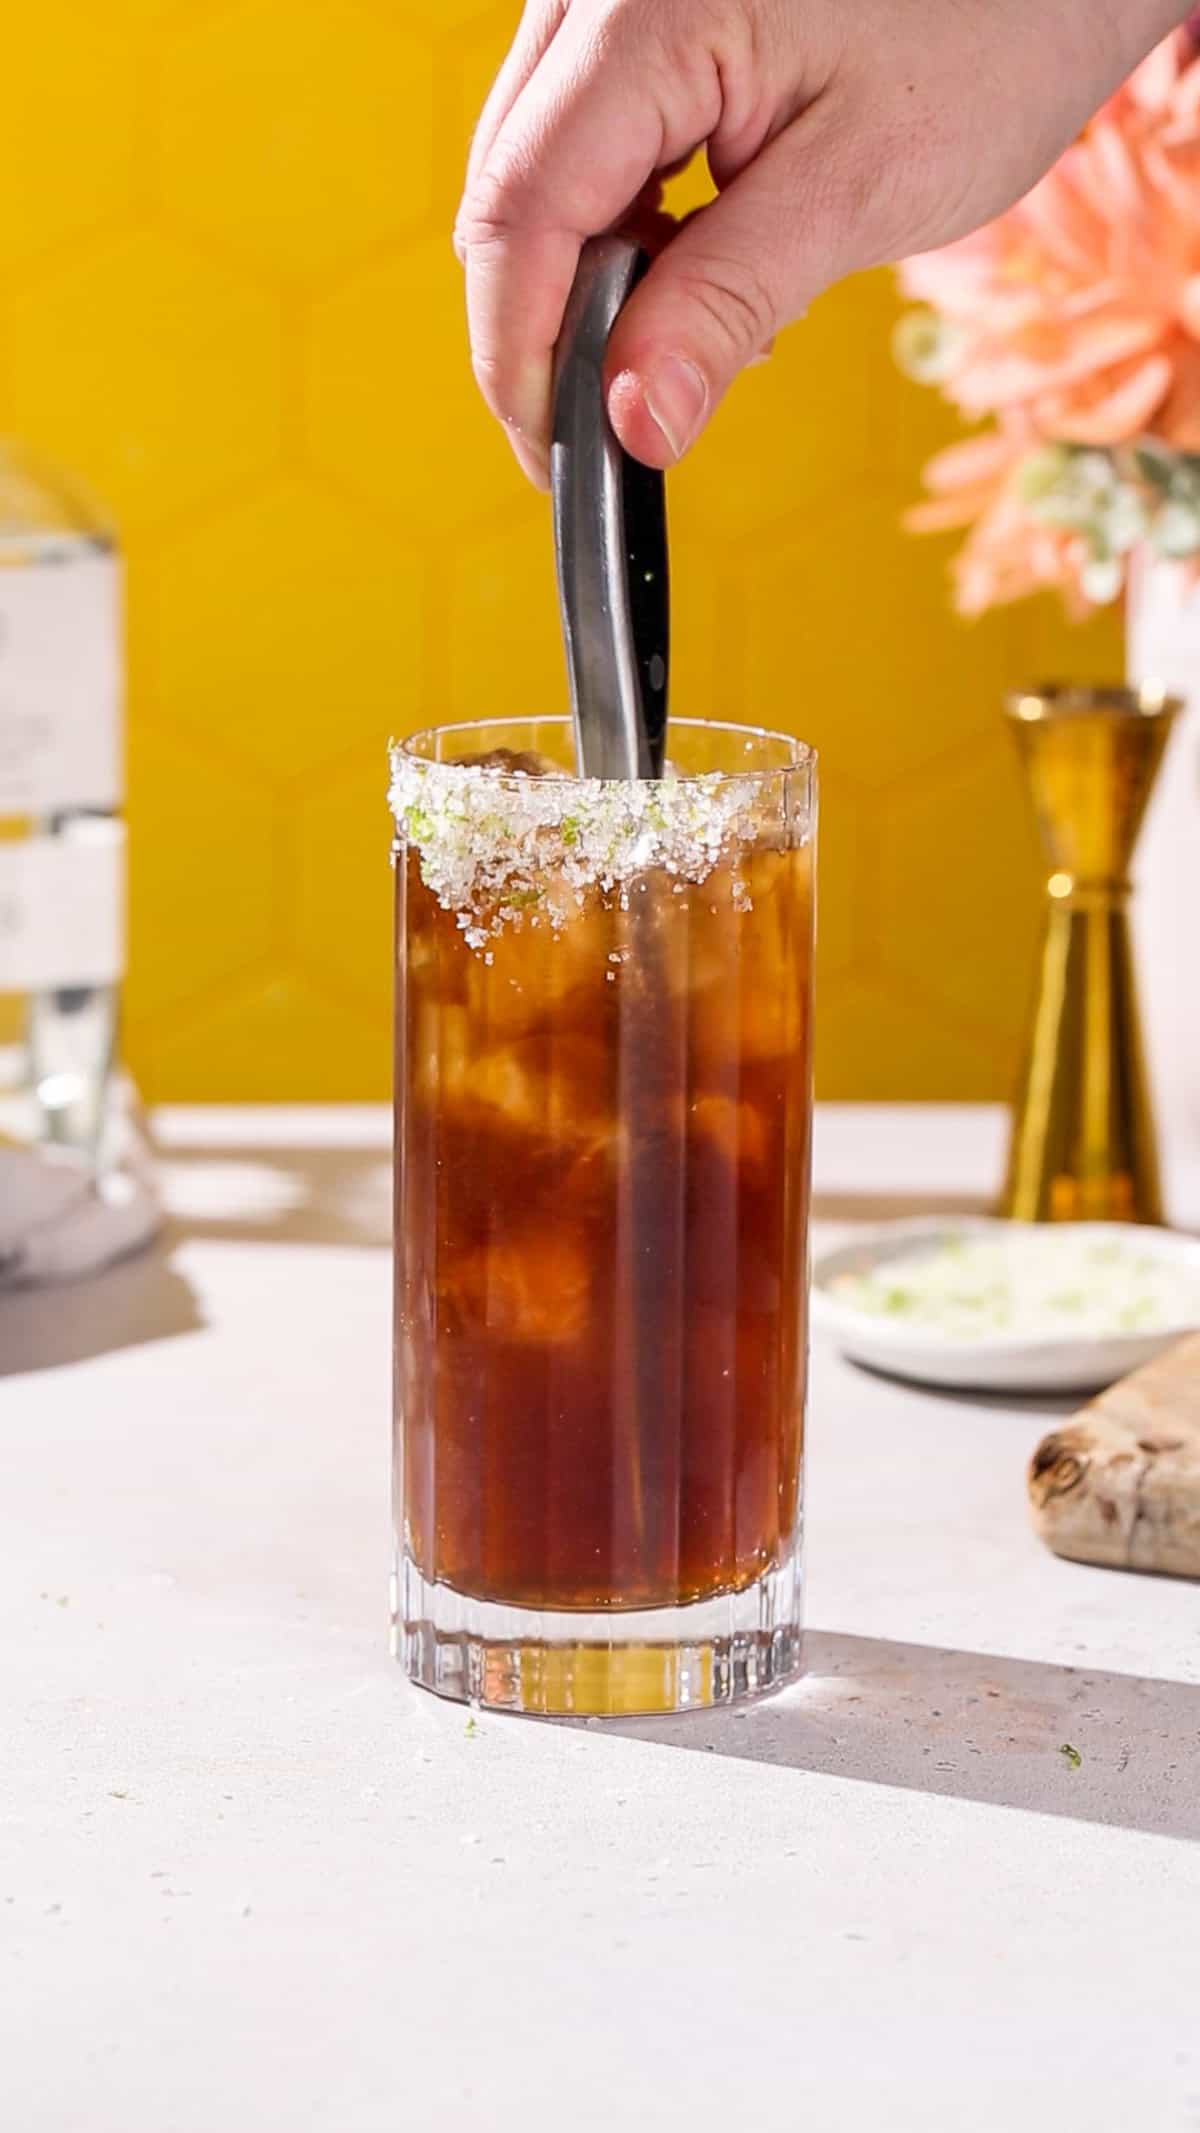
(714, 298)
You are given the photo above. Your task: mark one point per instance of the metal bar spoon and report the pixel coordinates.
(610, 539)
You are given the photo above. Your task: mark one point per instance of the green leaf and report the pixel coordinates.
(1040, 475)
(923, 346)
(1155, 463)
(1176, 529)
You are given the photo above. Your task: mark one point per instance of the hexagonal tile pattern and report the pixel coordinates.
(322, 116)
(706, 642)
(880, 676)
(467, 67)
(150, 14)
(976, 897)
(906, 423)
(277, 1039)
(67, 143)
(877, 1041)
(196, 827)
(501, 591)
(845, 823)
(453, 17)
(151, 372)
(232, 310)
(1041, 647)
(391, 404)
(792, 433)
(290, 597)
(708, 633)
(340, 881)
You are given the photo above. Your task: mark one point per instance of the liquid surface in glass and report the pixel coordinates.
(602, 1129)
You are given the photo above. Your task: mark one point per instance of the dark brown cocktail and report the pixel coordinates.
(603, 1108)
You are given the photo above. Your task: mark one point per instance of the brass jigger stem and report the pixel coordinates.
(1083, 1145)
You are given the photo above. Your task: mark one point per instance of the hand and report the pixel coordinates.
(840, 133)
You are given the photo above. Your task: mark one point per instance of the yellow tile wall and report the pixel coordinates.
(228, 301)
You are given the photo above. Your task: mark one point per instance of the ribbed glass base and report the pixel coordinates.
(715, 1651)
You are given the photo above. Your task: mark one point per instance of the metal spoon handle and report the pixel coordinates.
(610, 539)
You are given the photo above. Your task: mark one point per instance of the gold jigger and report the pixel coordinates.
(1083, 1146)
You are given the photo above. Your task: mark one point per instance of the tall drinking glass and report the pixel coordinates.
(603, 1110)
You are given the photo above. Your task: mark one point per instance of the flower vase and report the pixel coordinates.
(1163, 648)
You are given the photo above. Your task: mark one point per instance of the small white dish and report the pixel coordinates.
(1011, 1360)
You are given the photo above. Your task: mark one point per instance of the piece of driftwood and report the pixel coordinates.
(1121, 1483)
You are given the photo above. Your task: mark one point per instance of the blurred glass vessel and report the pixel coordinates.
(1083, 1145)
(603, 1084)
(62, 844)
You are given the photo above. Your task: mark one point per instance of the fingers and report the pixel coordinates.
(538, 25)
(738, 271)
(649, 222)
(583, 138)
(518, 281)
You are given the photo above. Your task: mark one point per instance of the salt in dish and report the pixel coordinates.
(1004, 1304)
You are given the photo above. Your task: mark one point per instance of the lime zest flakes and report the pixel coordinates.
(491, 847)
(974, 1285)
(1071, 1756)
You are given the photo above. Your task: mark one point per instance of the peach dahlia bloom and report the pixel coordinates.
(1072, 320)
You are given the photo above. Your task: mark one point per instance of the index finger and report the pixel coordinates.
(538, 26)
(579, 145)
(518, 282)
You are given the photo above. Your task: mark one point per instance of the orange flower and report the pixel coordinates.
(1008, 553)
(1074, 319)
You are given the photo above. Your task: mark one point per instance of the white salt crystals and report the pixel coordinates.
(496, 845)
(1018, 1281)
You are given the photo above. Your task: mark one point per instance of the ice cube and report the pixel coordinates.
(736, 1129)
(543, 976)
(513, 762)
(555, 1090)
(532, 1289)
(439, 1054)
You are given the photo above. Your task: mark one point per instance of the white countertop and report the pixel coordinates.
(251, 1882)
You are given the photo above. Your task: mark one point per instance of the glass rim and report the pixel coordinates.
(1050, 701)
(804, 756)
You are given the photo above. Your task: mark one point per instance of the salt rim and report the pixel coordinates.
(489, 841)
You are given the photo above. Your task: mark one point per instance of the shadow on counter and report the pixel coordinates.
(1059, 1740)
(214, 1192)
(140, 1299)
